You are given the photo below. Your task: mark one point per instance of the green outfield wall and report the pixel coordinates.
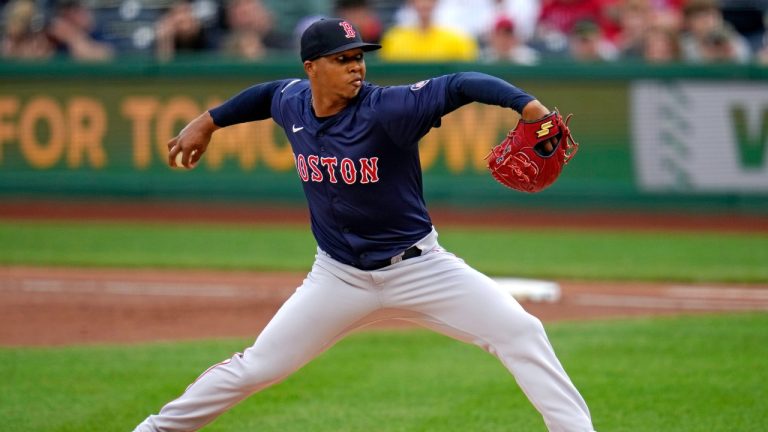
(692, 137)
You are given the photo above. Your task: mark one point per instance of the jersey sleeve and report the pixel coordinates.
(407, 113)
(251, 104)
(465, 87)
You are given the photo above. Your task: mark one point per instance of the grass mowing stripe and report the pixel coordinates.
(574, 254)
(619, 255)
(673, 374)
(157, 245)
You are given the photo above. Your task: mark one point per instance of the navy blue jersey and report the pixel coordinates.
(360, 168)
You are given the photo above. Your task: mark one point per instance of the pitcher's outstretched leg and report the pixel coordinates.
(323, 309)
(467, 305)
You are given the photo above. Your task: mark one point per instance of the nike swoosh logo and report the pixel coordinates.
(296, 129)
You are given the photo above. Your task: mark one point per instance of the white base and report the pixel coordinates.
(530, 289)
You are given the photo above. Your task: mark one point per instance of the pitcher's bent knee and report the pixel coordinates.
(533, 325)
(523, 327)
(259, 369)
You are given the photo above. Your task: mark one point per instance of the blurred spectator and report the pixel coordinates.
(720, 46)
(180, 30)
(472, 18)
(72, 29)
(634, 18)
(667, 13)
(707, 38)
(23, 35)
(505, 46)
(292, 17)
(661, 45)
(586, 43)
(426, 41)
(523, 13)
(129, 25)
(559, 17)
(248, 23)
(360, 13)
(478, 17)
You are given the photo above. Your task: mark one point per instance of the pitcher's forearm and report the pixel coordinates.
(534, 110)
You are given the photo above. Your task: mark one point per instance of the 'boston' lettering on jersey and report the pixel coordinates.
(317, 169)
(360, 168)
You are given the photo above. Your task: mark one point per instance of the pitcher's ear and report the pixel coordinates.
(309, 68)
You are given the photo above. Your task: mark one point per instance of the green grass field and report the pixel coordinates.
(704, 373)
(561, 253)
(674, 374)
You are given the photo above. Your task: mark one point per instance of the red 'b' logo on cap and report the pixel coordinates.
(348, 29)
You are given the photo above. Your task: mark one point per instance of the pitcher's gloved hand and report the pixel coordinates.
(533, 154)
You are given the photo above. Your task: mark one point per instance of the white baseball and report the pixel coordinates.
(179, 164)
(178, 160)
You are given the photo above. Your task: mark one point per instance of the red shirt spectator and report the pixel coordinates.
(561, 15)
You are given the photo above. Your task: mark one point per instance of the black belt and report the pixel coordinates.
(411, 252)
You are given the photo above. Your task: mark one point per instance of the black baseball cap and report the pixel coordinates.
(330, 36)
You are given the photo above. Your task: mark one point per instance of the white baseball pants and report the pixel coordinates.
(437, 290)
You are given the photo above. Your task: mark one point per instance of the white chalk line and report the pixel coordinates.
(164, 289)
(675, 297)
(682, 297)
(718, 292)
(651, 302)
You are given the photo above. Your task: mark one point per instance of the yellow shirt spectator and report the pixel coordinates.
(431, 44)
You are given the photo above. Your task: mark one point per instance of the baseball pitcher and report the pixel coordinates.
(355, 146)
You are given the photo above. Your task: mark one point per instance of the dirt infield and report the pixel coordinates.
(61, 306)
